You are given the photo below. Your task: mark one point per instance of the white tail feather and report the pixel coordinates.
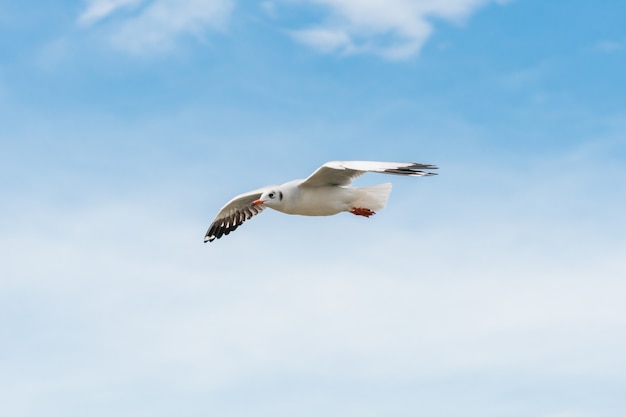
(373, 198)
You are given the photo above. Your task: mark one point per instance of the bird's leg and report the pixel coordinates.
(360, 211)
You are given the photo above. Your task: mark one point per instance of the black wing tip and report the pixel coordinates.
(413, 169)
(230, 223)
(415, 166)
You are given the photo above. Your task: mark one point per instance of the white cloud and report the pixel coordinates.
(325, 40)
(157, 24)
(100, 9)
(395, 29)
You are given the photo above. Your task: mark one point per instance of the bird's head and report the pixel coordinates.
(270, 198)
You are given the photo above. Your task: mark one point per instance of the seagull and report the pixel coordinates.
(323, 193)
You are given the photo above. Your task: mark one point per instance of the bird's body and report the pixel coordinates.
(329, 200)
(324, 193)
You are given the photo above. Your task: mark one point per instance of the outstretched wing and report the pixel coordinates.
(234, 213)
(341, 173)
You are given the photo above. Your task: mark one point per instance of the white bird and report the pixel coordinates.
(323, 193)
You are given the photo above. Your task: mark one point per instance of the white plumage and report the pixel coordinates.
(323, 193)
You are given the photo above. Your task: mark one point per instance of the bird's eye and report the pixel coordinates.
(271, 195)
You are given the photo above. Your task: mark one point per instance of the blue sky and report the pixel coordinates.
(493, 289)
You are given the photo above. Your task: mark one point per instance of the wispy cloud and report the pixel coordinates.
(145, 26)
(394, 29)
(610, 46)
(100, 9)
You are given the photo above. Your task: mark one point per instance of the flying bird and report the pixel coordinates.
(323, 193)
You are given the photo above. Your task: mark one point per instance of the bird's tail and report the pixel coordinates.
(373, 198)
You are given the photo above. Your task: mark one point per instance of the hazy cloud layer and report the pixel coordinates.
(124, 291)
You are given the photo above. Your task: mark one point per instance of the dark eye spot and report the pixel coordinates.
(271, 195)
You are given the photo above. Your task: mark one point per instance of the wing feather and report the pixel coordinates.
(233, 214)
(341, 173)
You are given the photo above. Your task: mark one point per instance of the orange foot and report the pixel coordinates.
(362, 211)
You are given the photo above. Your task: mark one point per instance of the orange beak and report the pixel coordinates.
(258, 202)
